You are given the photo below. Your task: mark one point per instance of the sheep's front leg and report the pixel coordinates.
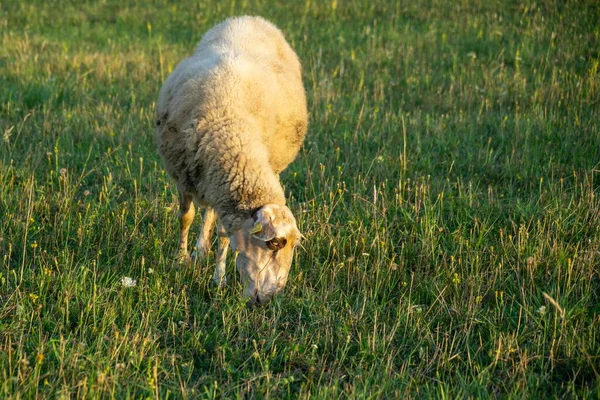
(219, 275)
(186, 216)
(203, 243)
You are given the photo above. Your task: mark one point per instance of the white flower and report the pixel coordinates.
(128, 282)
(542, 310)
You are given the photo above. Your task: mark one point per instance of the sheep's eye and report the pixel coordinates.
(276, 244)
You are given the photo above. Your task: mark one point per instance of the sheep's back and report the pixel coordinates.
(265, 81)
(242, 69)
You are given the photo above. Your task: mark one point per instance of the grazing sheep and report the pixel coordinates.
(230, 118)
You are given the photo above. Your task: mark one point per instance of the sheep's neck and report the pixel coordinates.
(241, 179)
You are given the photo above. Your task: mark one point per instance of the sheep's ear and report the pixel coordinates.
(257, 228)
(263, 228)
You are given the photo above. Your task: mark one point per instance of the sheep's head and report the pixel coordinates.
(265, 247)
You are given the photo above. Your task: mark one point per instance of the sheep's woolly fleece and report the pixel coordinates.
(232, 116)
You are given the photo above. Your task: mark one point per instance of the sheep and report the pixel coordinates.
(230, 119)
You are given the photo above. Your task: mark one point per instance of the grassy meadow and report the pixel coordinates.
(448, 187)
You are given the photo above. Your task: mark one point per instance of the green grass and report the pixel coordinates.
(450, 178)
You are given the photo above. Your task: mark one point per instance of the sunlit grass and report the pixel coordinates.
(448, 189)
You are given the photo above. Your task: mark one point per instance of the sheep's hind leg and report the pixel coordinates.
(220, 275)
(203, 243)
(186, 216)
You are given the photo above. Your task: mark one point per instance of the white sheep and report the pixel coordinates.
(230, 118)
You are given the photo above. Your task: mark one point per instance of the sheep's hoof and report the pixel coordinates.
(197, 256)
(183, 257)
(200, 252)
(220, 280)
